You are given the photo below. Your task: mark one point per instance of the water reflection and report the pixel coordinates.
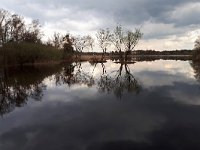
(69, 76)
(196, 66)
(118, 81)
(121, 82)
(84, 117)
(17, 85)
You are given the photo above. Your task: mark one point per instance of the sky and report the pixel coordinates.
(166, 24)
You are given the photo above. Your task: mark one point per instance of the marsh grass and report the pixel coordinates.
(28, 53)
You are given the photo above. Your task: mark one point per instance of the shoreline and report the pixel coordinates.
(98, 58)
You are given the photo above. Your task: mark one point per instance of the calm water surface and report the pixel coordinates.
(110, 106)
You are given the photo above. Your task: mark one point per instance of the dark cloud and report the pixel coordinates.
(129, 11)
(178, 16)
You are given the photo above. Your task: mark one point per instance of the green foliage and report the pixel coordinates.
(22, 53)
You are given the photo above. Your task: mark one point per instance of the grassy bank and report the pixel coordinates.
(28, 53)
(24, 53)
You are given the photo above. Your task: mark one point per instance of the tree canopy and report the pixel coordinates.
(14, 29)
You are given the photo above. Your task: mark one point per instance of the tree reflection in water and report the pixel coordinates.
(74, 74)
(19, 84)
(118, 82)
(196, 67)
(122, 81)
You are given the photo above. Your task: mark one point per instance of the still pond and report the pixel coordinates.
(104, 106)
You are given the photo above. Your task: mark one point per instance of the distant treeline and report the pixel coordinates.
(172, 52)
(145, 52)
(20, 43)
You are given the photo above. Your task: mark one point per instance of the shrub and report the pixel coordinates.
(22, 53)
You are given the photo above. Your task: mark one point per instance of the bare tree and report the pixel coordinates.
(88, 42)
(33, 32)
(131, 39)
(117, 38)
(121, 40)
(78, 43)
(68, 44)
(197, 44)
(81, 43)
(57, 40)
(196, 52)
(49, 42)
(17, 28)
(4, 26)
(36, 29)
(103, 37)
(13, 29)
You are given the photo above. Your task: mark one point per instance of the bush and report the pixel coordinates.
(22, 53)
(196, 54)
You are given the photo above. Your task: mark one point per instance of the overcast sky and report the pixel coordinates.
(166, 24)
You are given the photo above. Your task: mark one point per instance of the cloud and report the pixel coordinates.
(81, 123)
(186, 15)
(159, 19)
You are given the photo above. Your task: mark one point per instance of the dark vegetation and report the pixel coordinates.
(196, 52)
(21, 43)
(17, 84)
(195, 63)
(23, 53)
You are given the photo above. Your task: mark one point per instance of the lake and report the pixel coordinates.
(104, 106)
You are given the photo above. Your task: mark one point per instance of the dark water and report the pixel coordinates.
(110, 106)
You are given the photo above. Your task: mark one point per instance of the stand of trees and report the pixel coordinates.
(71, 44)
(123, 41)
(196, 53)
(14, 29)
(20, 43)
(154, 52)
